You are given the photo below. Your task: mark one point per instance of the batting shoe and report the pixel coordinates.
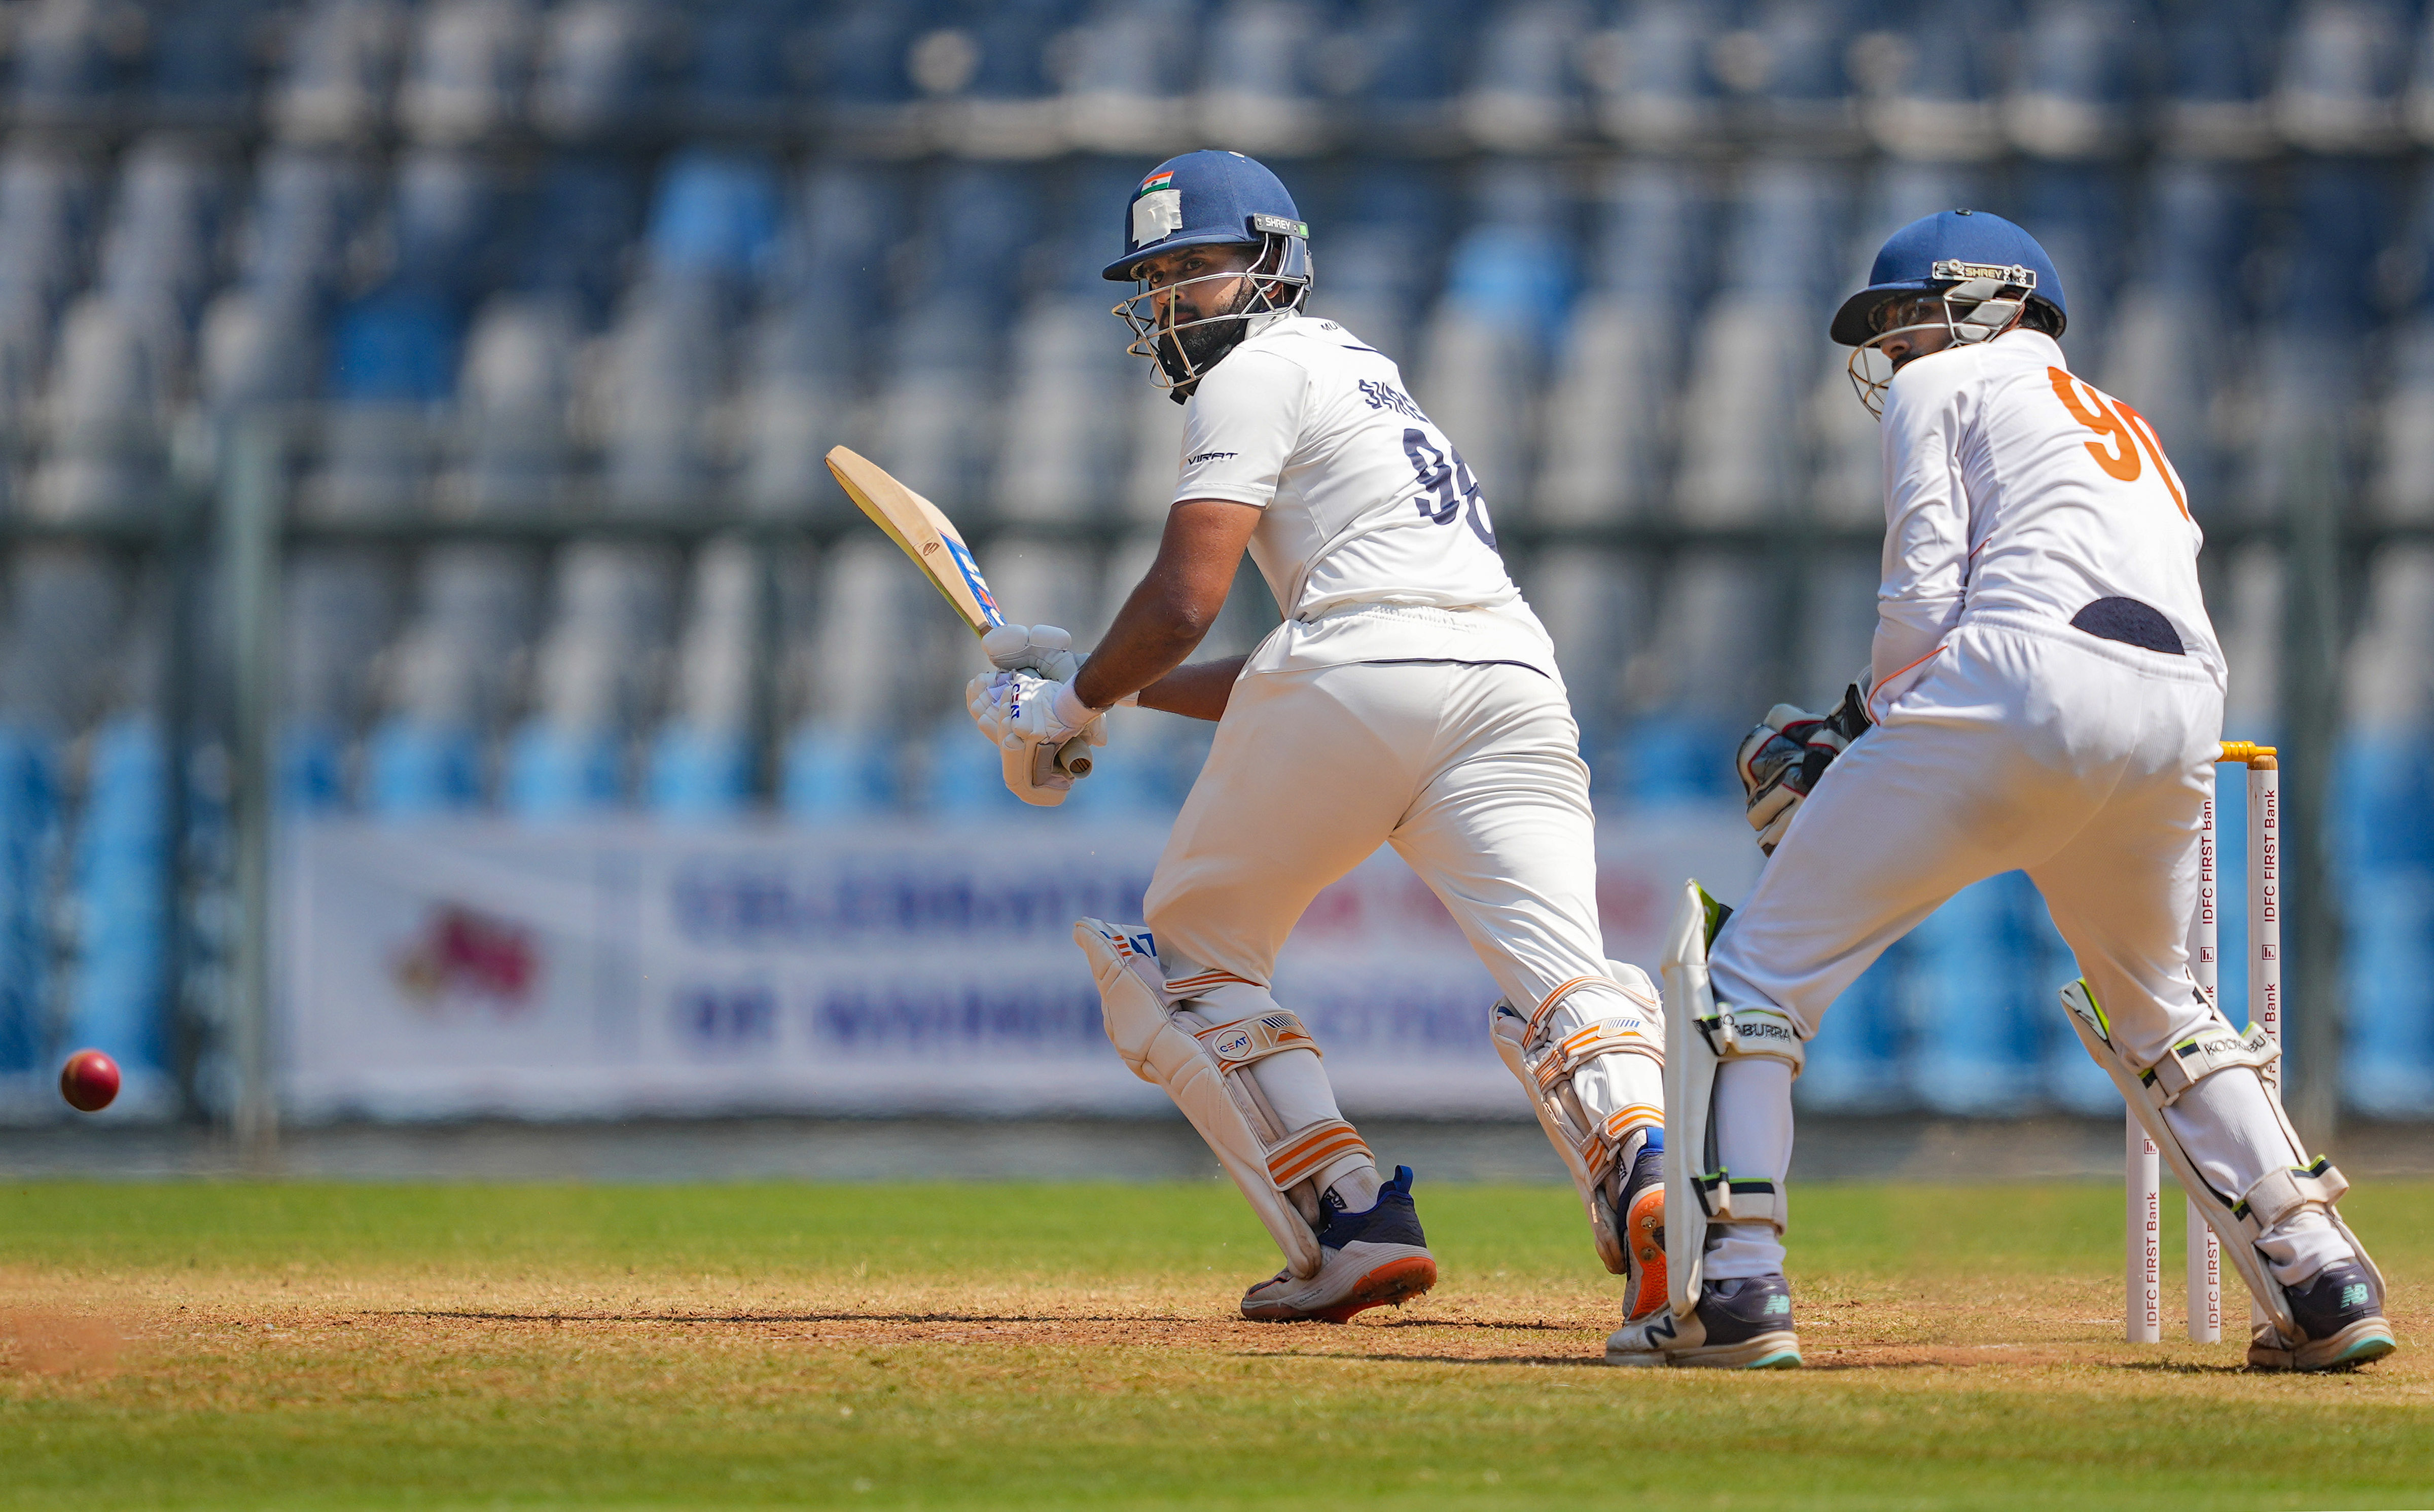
(1739, 1325)
(1373, 1259)
(1643, 1235)
(2335, 1312)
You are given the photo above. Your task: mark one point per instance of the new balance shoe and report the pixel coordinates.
(1642, 1228)
(2335, 1312)
(1373, 1259)
(1739, 1325)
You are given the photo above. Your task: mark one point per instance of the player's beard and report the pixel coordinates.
(1191, 347)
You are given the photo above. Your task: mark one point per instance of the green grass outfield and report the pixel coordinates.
(1059, 1345)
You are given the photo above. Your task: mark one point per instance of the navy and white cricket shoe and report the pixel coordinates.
(2335, 1311)
(1739, 1325)
(1373, 1259)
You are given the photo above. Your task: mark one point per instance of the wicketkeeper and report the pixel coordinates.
(2044, 694)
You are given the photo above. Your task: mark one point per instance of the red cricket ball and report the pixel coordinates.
(89, 1081)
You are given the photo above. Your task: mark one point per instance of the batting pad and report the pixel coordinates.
(1543, 1056)
(1135, 1004)
(2237, 1219)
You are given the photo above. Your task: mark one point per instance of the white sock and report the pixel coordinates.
(1753, 1112)
(2228, 1128)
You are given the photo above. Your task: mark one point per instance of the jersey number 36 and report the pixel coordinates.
(1447, 486)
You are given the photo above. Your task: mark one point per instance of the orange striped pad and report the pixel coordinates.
(1240, 1044)
(1598, 1150)
(1562, 990)
(1604, 1038)
(1199, 982)
(1309, 1151)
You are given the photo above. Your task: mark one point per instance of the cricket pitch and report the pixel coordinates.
(288, 1345)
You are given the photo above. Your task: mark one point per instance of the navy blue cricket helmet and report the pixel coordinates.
(1945, 249)
(1209, 198)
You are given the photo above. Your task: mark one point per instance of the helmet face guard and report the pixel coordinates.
(1183, 350)
(1979, 301)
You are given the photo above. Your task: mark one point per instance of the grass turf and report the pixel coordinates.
(1013, 1346)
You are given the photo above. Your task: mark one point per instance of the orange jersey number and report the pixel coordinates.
(2122, 432)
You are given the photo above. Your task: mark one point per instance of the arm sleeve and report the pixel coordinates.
(1240, 428)
(1926, 531)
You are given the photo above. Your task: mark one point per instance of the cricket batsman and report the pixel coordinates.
(1409, 699)
(2044, 693)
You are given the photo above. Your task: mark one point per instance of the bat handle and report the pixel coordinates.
(1073, 757)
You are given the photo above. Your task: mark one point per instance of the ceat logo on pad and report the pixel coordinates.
(1233, 1044)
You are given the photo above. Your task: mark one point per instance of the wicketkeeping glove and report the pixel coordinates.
(1781, 760)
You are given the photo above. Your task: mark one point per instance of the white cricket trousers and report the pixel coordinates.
(1473, 774)
(2026, 746)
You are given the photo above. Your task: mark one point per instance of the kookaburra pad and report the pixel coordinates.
(2241, 1218)
(1699, 1036)
(1545, 1049)
(1202, 1067)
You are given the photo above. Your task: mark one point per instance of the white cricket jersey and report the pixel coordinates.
(1375, 537)
(2015, 488)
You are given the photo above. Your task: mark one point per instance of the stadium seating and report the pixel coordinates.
(638, 262)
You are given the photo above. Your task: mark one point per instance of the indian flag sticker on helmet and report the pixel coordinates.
(1156, 182)
(1158, 212)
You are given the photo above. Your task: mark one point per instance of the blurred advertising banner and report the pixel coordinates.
(618, 969)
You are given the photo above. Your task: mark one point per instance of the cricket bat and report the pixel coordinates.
(924, 533)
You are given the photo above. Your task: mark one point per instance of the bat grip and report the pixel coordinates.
(1073, 757)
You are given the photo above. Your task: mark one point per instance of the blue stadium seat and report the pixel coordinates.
(2383, 844)
(202, 63)
(117, 1002)
(1936, 101)
(1654, 76)
(466, 71)
(716, 216)
(341, 67)
(702, 761)
(988, 80)
(1508, 287)
(600, 73)
(1132, 73)
(69, 64)
(833, 774)
(1617, 365)
(2220, 70)
(1791, 79)
(1978, 1017)
(2074, 93)
(1525, 93)
(29, 837)
(583, 222)
(1856, 1062)
(1261, 71)
(2344, 64)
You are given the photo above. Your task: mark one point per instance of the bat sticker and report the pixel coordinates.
(973, 580)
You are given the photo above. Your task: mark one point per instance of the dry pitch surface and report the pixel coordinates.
(275, 1346)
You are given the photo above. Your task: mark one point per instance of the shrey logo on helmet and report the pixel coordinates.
(1986, 271)
(1209, 199)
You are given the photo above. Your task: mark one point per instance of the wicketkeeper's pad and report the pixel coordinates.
(1699, 1036)
(2239, 1219)
(1546, 1048)
(1202, 1067)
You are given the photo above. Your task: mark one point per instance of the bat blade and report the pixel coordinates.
(924, 533)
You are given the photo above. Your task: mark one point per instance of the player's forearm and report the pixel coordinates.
(1198, 690)
(1153, 635)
